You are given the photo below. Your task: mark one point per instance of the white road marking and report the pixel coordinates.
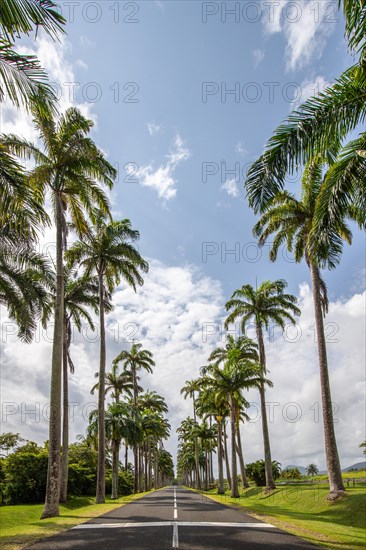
(122, 525)
(175, 543)
(175, 514)
(173, 523)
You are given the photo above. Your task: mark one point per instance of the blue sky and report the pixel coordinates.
(185, 143)
(168, 55)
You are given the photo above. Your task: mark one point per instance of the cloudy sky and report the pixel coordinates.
(184, 95)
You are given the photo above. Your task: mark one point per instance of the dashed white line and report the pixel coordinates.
(175, 543)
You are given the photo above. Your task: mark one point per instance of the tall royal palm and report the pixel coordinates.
(190, 389)
(268, 303)
(134, 360)
(107, 250)
(320, 125)
(217, 406)
(21, 76)
(239, 372)
(292, 222)
(68, 166)
(80, 295)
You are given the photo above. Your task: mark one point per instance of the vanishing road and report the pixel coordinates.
(174, 518)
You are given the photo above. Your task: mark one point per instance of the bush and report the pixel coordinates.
(256, 472)
(26, 475)
(291, 473)
(23, 474)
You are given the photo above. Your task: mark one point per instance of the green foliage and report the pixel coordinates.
(9, 441)
(291, 473)
(312, 470)
(25, 473)
(256, 472)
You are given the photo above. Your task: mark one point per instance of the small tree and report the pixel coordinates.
(363, 445)
(291, 473)
(312, 470)
(256, 471)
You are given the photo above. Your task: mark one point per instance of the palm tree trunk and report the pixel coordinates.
(115, 461)
(51, 507)
(239, 449)
(100, 494)
(136, 469)
(234, 473)
(198, 478)
(228, 474)
(221, 488)
(65, 422)
(333, 465)
(126, 456)
(266, 444)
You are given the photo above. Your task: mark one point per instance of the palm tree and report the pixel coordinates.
(24, 278)
(188, 444)
(319, 126)
(80, 293)
(215, 405)
(190, 389)
(292, 221)
(119, 423)
(116, 382)
(155, 428)
(267, 303)
(68, 167)
(136, 359)
(240, 371)
(107, 249)
(21, 76)
(312, 470)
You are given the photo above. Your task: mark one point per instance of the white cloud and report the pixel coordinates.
(160, 5)
(230, 186)
(258, 55)
(53, 57)
(166, 315)
(241, 149)
(169, 314)
(80, 63)
(162, 178)
(305, 26)
(294, 371)
(153, 128)
(308, 88)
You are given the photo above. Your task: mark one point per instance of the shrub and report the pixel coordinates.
(256, 472)
(26, 475)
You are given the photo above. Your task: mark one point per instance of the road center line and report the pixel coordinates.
(175, 542)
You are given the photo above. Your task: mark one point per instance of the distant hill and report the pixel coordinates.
(302, 470)
(357, 466)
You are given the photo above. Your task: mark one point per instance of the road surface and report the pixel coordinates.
(174, 518)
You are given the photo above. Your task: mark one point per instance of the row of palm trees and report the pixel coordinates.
(238, 366)
(136, 418)
(65, 185)
(333, 192)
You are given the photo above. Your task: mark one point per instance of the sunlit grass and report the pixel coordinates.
(305, 511)
(21, 524)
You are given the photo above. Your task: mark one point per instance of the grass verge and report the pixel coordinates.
(20, 525)
(305, 511)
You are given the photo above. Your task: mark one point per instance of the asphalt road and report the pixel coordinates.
(174, 518)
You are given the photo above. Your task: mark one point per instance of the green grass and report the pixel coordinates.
(361, 474)
(21, 524)
(305, 511)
